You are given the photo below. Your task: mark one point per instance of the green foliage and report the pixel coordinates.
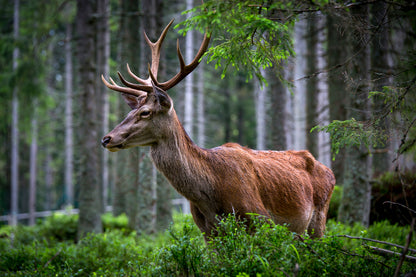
(235, 251)
(271, 250)
(349, 133)
(120, 222)
(247, 37)
(335, 202)
(401, 100)
(265, 249)
(184, 256)
(60, 227)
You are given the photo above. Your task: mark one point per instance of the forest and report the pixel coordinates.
(337, 78)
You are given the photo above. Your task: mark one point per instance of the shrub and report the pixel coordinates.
(60, 227)
(263, 249)
(267, 249)
(184, 254)
(120, 222)
(236, 250)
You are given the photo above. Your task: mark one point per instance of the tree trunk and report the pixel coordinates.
(260, 101)
(189, 81)
(278, 122)
(103, 56)
(356, 199)
(311, 83)
(90, 192)
(48, 179)
(381, 66)
(324, 147)
(127, 183)
(154, 200)
(337, 55)
(148, 196)
(300, 85)
(15, 127)
(33, 165)
(201, 105)
(226, 111)
(69, 137)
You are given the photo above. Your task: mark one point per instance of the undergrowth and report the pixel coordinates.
(265, 249)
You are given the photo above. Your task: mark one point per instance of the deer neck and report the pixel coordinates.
(182, 162)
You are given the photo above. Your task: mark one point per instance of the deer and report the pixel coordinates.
(286, 187)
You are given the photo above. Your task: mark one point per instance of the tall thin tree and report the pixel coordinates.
(260, 102)
(189, 82)
(103, 56)
(33, 163)
(300, 84)
(311, 83)
(200, 104)
(15, 127)
(69, 137)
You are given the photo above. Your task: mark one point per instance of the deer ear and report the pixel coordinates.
(132, 101)
(163, 98)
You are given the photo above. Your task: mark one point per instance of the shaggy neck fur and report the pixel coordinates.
(182, 162)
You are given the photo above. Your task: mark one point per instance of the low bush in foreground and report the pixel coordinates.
(269, 250)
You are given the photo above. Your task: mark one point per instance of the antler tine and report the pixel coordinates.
(116, 87)
(138, 79)
(180, 56)
(155, 48)
(152, 77)
(146, 87)
(186, 69)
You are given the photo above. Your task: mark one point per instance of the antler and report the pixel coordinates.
(185, 69)
(145, 85)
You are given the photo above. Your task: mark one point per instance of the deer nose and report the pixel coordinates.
(105, 140)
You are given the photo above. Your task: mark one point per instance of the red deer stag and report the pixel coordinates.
(286, 186)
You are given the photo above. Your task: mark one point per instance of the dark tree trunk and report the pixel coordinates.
(128, 161)
(90, 193)
(278, 111)
(15, 127)
(103, 56)
(69, 137)
(337, 56)
(380, 65)
(356, 199)
(312, 84)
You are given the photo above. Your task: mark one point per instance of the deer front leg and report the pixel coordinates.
(207, 227)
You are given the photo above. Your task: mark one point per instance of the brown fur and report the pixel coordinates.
(286, 186)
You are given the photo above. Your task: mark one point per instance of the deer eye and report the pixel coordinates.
(145, 114)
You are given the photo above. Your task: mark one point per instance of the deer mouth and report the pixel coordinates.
(115, 148)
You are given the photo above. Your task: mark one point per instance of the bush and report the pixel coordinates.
(264, 249)
(60, 227)
(269, 250)
(183, 254)
(120, 222)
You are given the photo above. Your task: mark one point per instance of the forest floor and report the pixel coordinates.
(48, 249)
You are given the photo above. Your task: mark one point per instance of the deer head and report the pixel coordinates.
(152, 108)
